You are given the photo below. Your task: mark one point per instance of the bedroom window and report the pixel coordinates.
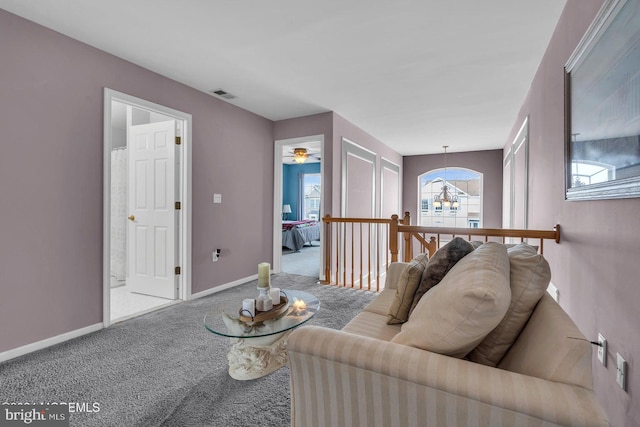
(466, 184)
(311, 193)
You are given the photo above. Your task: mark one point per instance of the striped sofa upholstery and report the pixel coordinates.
(357, 377)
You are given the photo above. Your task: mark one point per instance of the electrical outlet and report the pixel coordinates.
(602, 350)
(621, 372)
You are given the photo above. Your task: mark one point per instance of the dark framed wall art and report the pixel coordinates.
(602, 104)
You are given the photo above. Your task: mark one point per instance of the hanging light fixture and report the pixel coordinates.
(445, 197)
(300, 155)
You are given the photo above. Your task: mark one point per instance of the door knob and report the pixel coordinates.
(131, 218)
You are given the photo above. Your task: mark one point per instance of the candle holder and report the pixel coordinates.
(264, 301)
(277, 311)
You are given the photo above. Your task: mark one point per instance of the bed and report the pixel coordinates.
(295, 234)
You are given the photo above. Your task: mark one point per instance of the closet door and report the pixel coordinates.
(358, 201)
(516, 181)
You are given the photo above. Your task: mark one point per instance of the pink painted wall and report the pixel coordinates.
(345, 129)
(51, 97)
(595, 267)
(487, 162)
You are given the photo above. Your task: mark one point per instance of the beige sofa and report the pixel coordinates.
(358, 377)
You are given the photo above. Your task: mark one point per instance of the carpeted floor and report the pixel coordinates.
(305, 262)
(165, 369)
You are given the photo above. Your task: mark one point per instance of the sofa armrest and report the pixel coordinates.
(338, 378)
(393, 274)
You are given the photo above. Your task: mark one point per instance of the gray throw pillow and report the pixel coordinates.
(439, 264)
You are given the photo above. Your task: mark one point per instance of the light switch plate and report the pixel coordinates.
(621, 372)
(217, 198)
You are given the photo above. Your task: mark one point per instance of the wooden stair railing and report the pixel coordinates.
(358, 251)
(433, 242)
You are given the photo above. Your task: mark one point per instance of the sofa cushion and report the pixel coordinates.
(453, 317)
(563, 355)
(406, 288)
(382, 302)
(529, 278)
(372, 325)
(440, 263)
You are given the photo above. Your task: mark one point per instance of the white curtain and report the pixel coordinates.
(118, 213)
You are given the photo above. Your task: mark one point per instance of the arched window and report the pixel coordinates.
(438, 193)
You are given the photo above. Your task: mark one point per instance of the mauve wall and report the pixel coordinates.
(489, 163)
(51, 97)
(596, 266)
(345, 129)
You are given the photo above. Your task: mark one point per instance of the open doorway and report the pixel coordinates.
(146, 198)
(298, 208)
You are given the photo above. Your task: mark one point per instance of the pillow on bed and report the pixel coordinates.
(529, 278)
(406, 289)
(438, 266)
(453, 317)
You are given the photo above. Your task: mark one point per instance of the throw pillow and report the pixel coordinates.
(530, 275)
(453, 317)
(406, 289)
(439, 264)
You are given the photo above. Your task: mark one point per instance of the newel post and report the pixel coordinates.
(408, 249)
(393, 238)
(327, 249)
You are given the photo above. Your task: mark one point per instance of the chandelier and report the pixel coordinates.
(445, 197)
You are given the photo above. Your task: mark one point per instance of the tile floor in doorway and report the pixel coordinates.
(125, 304)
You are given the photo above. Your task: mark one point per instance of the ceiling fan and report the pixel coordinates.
(300, 155)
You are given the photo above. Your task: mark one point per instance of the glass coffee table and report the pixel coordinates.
(259, 347)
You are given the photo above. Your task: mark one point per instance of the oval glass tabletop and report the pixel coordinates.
(227, 322)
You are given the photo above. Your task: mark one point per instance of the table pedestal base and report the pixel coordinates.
(256, 357)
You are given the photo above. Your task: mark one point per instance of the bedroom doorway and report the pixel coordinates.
(298, 208)
(147, 199)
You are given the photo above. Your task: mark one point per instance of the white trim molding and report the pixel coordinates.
(350, 148)
(48, 342)
(224, 287)
(277, 197)
(184, 193)
(390, 166)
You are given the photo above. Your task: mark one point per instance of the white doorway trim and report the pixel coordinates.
(277, 198)
(183, 194)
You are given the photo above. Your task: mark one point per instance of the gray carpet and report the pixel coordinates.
(165, 369)
(305, 262)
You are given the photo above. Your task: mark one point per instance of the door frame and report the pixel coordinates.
(277, 198)
(184, 194)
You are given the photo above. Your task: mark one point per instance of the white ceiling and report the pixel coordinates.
(416, 74)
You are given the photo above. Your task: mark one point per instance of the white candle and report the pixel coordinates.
(248, 305)
(275, 295)
(264, 270)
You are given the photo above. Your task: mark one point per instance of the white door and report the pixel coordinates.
(151, 232)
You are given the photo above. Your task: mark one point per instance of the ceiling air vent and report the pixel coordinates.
(223, 94)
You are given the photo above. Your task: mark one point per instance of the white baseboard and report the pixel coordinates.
(48, 342)
(229, 285)
(554, 292)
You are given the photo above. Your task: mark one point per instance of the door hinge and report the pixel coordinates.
(178, 206)
(178, 140)
(178, 270)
